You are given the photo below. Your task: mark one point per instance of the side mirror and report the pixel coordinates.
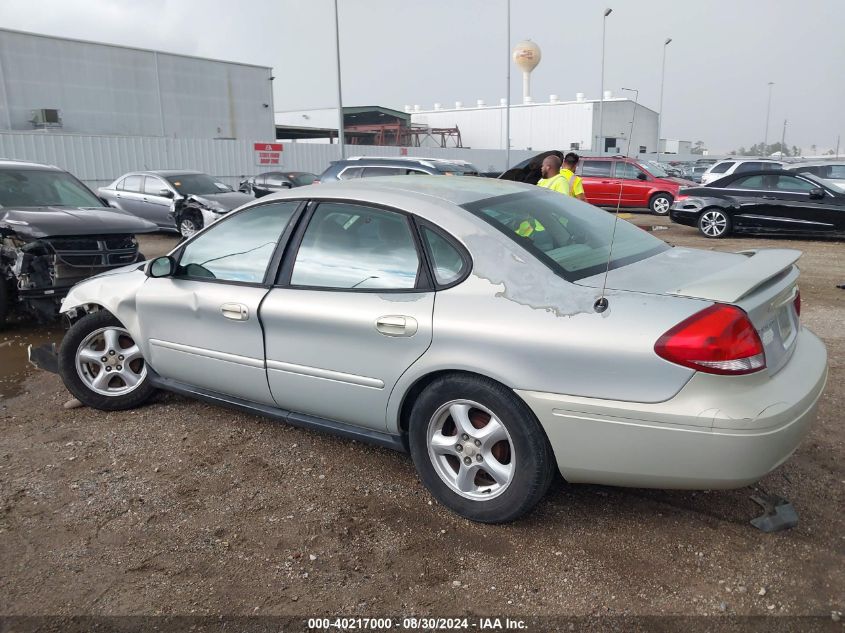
(161, 267)
(817, 193)
(641, 176)
(165, 193)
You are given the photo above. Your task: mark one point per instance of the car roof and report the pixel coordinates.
(169, 172)
(767, 172)
(11, 163)
(456, 190)
(816, 163)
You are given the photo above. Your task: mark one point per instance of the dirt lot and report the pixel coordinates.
(181, 507)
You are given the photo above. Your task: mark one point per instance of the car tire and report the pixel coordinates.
(190, 222)
(82, 368)
(660, 203)
(714, 223)
(493, 476)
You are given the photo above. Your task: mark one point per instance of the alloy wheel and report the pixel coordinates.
(109, 362)
(713, 223)
(471, 450)
(187, 227)
(661, 205)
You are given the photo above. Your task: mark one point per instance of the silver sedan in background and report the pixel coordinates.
(464, 320)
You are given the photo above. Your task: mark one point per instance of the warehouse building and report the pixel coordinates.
(555, 124)
(59, 85)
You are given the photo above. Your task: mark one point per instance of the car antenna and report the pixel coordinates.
(601, 303)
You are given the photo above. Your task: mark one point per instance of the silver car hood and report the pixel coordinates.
(699, 274)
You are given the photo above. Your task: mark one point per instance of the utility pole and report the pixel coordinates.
(662, 79)
(508, 96)
(783, 140)
(837, 148)
(341, 136)
(768, 109)
(607, 12)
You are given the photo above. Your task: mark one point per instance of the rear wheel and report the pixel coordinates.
(660, 203)
(479, 449)
(102, 366)
(714, 223)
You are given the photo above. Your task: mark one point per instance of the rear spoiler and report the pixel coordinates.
(736, 282)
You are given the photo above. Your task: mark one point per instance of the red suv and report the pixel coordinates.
(642, 184)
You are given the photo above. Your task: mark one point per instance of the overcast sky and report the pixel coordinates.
(395, 52)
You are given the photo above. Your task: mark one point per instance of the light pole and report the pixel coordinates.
(508, 97)
(660, 113)
(341, 137)
(607, 12)
(768, 109)
(782, 141)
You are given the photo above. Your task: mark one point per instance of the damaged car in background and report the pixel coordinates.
(55, 232)
(183, 201)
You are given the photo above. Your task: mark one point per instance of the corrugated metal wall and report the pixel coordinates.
(98, 160)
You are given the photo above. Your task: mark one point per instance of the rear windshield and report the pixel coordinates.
(197, 184)
(570, 237)
(43, 188)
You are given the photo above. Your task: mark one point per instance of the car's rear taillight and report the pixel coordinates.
(718, 340)
(797, 302)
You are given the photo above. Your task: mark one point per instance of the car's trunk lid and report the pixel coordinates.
(761, 282)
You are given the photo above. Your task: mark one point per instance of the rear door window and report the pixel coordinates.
(381, 171)
(721, 168)
(597, 168)
(132, 184)
(446, 260)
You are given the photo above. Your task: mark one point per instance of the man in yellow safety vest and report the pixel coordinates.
(575, 187)
(551, 175)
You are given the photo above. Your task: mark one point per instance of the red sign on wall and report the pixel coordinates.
(267, 153)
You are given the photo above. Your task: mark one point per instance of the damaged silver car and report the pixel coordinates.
(184, 201)
(471, 322)
(55, 232)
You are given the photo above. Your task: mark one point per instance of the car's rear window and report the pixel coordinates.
(453, 169)
(569, 236)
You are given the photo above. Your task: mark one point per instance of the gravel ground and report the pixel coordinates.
(181, 507)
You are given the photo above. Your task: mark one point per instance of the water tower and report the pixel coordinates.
(526, 55)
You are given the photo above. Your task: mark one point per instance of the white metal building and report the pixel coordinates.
(52, 84)
(556, 124)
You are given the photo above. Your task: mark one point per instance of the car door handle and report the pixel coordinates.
(396, 325)
(235, 311)
(769, 197)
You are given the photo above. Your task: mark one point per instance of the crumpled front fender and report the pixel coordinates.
(113, 292)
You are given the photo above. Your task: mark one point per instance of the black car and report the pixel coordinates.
(766, 202)
(367, 166)
(184, 201)
(55, 232)
(273, 181)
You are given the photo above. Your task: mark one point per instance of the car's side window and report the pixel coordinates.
(350, 172)
(237, 248)
(132, 184)
(597, 167)
(791, 183)
(626, 171)
(381, 171)
(446, 260)
(274, 180)
(153, 186)
(749, 182)
(348, 246)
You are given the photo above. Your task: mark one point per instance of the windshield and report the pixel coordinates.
(43, 188)
(301, 180)
(655, 170)
(197, 184)
(570, 237)
(453, 169)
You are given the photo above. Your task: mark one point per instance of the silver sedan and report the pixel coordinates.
(496, 331)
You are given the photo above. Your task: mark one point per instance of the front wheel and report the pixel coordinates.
(714, 223)
(660, 203)
(479, 449)
(102, 366)
(189, 223)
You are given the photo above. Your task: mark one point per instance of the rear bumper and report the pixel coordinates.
(718, 432)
